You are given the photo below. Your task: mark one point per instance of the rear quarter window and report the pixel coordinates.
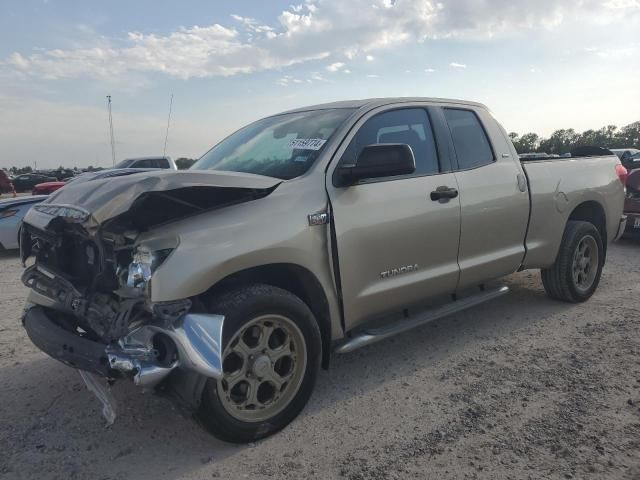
(470, 140)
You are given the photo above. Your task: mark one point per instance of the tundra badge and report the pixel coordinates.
(398, 271)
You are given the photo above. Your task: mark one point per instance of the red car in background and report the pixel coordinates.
(47, 187)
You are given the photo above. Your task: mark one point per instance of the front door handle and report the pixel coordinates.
(443, 194)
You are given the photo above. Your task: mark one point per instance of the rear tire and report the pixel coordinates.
(575, 275)
(271, 357)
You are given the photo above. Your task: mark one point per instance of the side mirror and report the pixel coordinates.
(378, 161)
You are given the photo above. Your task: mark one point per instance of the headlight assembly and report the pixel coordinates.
(144, 263)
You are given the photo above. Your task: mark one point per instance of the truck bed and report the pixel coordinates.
(557, 186)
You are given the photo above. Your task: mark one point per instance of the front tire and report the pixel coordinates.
(271, 358)
(575, 275)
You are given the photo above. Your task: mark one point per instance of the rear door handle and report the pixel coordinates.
(443, 194)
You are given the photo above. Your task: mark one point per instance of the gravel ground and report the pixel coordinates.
(523, 387)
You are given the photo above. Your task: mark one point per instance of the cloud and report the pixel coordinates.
(629, 50)
(461, 66)
(429, 70)
(288, 80)
(623, 4)
(310, 31)
(334, 67)
(370, 58)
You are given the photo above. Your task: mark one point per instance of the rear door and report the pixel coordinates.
(395, 245)
(493, 196)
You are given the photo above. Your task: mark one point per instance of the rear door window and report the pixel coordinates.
(410, 126)
(469, 139)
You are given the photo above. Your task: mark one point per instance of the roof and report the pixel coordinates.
(152, 157)
(370, 103)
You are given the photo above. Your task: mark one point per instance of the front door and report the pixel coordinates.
(396, 246)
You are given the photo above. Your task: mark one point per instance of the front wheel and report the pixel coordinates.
(271, 357)
(575, 275)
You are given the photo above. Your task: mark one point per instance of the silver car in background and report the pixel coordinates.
(12, 211)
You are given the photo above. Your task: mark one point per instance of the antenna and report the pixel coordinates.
(166, 136)
(113, 142)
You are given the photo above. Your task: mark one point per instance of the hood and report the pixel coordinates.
(108, 173)
(150, 198)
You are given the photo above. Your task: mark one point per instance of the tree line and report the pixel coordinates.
(564, 140)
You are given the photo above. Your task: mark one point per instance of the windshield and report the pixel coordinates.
(124, 163)
(283, 146)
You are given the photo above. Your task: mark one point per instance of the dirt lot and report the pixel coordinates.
(523, 387)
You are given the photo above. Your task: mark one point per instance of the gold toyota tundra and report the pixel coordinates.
(305, 234)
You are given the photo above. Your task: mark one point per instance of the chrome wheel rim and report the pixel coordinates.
(263, 366)
(585, 263)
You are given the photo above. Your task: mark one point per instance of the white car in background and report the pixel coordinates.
(12, 211)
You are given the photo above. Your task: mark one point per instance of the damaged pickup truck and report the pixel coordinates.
(312, 232)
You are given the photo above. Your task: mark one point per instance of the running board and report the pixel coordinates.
(367, 337)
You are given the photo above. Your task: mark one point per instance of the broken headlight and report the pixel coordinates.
(144, 263)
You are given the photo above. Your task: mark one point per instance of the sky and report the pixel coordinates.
(539, 65)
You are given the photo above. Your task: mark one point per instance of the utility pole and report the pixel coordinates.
(113, 142)
(166, 136)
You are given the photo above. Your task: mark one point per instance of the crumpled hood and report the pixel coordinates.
(108, 198)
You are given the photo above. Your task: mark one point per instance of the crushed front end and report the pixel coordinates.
(89, 303)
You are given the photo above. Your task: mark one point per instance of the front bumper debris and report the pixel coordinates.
(63, 345)
(103, 393)
(197, 339)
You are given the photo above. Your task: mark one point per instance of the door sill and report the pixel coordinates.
(374, 335)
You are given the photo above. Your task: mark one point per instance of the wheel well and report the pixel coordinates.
(592, 212)
(295, 279)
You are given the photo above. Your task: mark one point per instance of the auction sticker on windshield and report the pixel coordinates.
(307, 143)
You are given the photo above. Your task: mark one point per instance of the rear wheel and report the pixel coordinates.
(271, 358)
(575, 275)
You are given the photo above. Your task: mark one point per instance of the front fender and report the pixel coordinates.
(272, 230)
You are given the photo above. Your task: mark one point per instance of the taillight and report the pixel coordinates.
(622, 174)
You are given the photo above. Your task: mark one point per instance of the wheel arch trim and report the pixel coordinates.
(297, 280)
